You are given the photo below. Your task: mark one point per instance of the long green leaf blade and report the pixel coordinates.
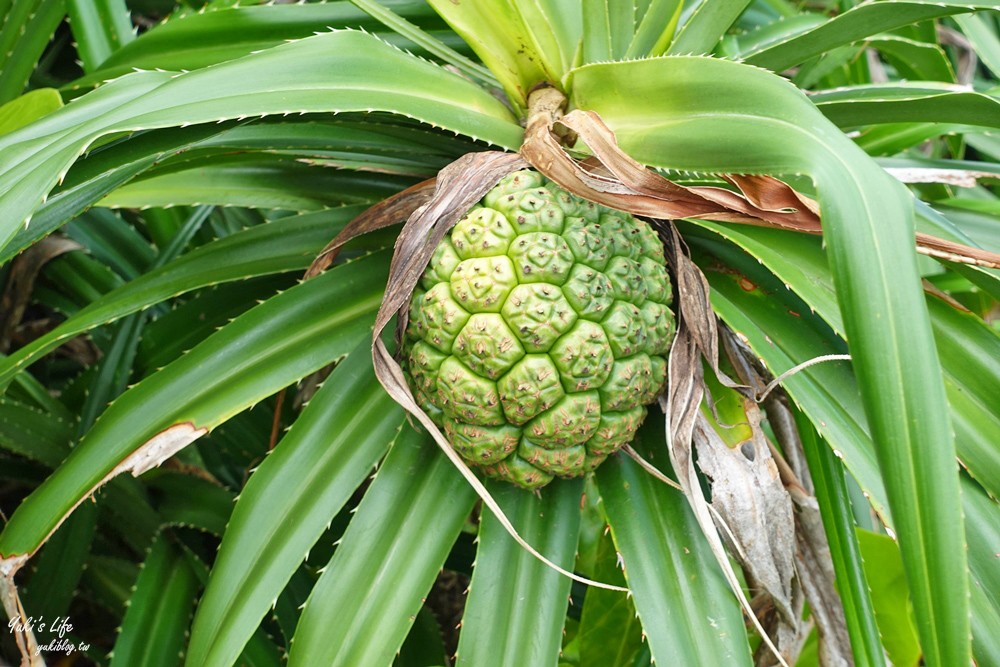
(517, 605)
(25, 31)
(864, 20)
(100, 28)
(196, 40)
(288, 503)
(689, 615)
(155, 625)
(855, 106)
(766, 125)
(363, 605)
(984, 39)
(264, 182)
(838, 523)
(703, 24)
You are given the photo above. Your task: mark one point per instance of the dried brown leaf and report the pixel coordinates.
(21, 282)
(391, 211)
(748, 494)
(814, 565)
(685, 390)
(20, 624)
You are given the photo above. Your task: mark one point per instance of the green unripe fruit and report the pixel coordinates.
(540, 331)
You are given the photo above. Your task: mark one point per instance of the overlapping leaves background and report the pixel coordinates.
(171, 212)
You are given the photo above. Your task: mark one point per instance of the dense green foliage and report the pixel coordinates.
(170, 168)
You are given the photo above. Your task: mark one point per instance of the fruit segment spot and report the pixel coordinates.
(531, 387)
(583, 357)
(487, 345)
(466, 397)
(541, 257)
(482, 284)
(539, 314)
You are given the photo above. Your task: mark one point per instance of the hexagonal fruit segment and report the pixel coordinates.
(659, 324)
(487, 345)
(625, 329)
(425, 364)
(589, 292)
(626, 280)
(649, 242)
(539, 314)
(621, 230)
(426, 403)
(482, 445)
(565, 462)
(583, 357)
(437, 318)
(483, 232)
(616, 429)
(630, 381)
(467, 397)
(517, 471)
(588, 245)
(412, 333)
(657, 281)
(531, 387)
(533, 210)
(658, 379)
(541, 257)
(569, 422)
(482, 284)
(573, 206)
(567, 201)
(519, 181)
(442, 265)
